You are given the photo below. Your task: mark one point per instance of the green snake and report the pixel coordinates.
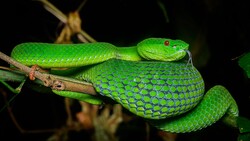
(151, 80)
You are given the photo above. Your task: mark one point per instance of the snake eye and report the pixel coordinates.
(166, 43)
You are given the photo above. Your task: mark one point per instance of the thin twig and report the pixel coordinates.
(15, 122)
(63, 18)
(53, 10)
(81, 5)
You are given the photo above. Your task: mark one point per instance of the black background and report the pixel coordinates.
(217, 31)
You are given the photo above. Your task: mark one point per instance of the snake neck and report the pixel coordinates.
(128, 53)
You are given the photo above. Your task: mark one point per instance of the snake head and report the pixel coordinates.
(162, 49)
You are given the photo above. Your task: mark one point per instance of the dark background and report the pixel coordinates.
(218, 32)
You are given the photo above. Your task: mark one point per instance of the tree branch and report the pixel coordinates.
(53, 81)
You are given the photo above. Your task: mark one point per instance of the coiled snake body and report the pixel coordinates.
(150, 80)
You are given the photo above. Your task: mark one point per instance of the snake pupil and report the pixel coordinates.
(166, 43)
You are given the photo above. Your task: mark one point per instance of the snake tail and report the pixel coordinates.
(216, 104)
(79, 96)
